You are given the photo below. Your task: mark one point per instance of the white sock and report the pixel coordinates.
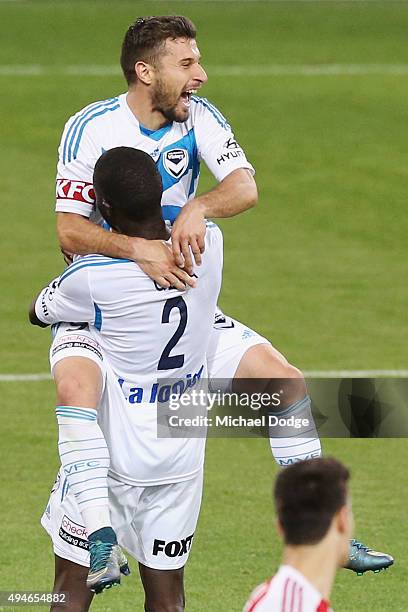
(85, 461)
(290, 445)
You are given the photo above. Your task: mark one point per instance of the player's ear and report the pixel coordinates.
(144, 72)
(342, 519)
(105, 209)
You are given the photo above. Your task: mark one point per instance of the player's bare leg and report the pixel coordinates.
(78, 382)
(164, 589)
(71, 578)
(264, 363)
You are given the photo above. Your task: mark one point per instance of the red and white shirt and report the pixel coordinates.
(287, 591)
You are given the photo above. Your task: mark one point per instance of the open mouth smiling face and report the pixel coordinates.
(180, 76)
(185, 97)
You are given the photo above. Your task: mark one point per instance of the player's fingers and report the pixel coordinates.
(184, 277)
(188, 262)
(176, 248)
(201, 242)
(160, 280)
(175, 282)
(195, 249)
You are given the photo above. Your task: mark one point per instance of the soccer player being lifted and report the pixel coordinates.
(161, 115)
(118, 480)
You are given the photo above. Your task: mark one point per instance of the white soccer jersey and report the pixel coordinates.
(287, 591)
(147, 334)
(176, 148)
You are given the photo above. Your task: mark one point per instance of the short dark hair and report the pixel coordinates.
(307, 496)
(147, 36)
(128, 180)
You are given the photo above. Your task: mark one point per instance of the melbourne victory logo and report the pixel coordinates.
(176, 162)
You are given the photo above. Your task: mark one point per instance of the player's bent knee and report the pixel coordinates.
(292, 386)
(264, 370)
(293, 372)
(262, 361)
(68, 390)
(78, 382)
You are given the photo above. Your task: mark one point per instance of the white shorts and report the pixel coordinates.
(74, 340)
(155, 524)
(229, 341)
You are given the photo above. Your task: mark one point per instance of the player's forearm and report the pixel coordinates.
(233, 195)
(32, 315)
(80, 236)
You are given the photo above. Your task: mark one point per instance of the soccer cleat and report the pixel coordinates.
(363, 559)
(107, 561)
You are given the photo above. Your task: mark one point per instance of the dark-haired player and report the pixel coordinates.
(316, 522)
(139, 335)
(161, 115)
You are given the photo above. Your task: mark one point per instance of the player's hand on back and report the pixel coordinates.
(156, 259)
(189, 233)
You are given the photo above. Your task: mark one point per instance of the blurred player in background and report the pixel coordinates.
(316, 522)
(160, 115)
(111, 448)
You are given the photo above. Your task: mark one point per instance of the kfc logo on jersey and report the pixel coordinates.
(176, 162)
(75, 190)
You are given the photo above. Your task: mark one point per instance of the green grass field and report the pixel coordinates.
(321, 261)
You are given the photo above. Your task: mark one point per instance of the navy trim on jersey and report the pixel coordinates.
(214, 111)
(155, 134)
(81, 116)
(195, 171)
(98, 317)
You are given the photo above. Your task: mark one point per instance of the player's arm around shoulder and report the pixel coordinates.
(75, 203)
(82, 144)
(79, 149)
